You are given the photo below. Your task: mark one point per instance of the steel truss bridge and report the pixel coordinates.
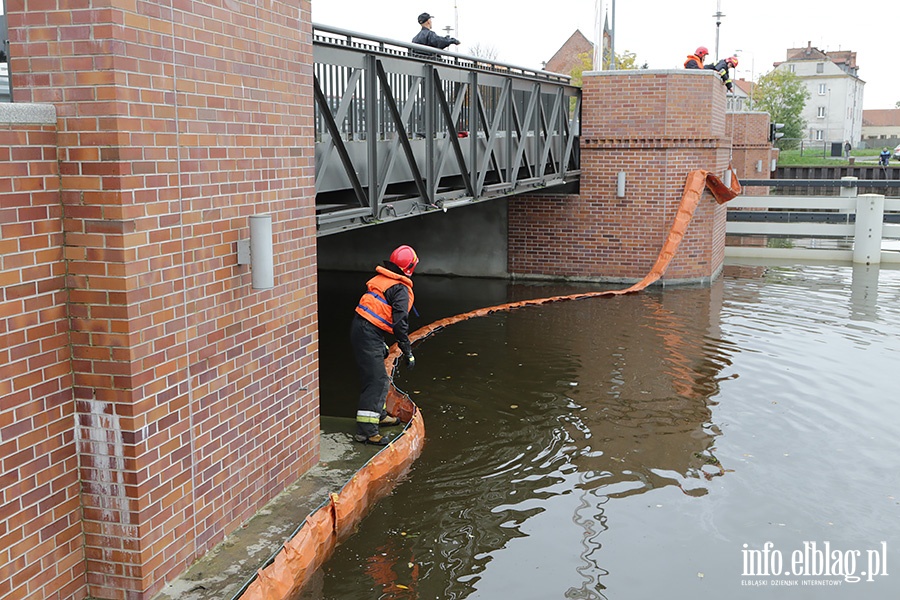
(403, 129)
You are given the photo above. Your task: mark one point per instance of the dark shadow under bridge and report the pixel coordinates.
(402, 130)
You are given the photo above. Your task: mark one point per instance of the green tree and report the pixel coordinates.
(783, 95)
(585, 63)
(624, 62)
(627, 61)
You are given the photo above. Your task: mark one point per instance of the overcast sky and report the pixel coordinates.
(660, 32)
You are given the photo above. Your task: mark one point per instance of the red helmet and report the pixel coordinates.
(405, 258)
(701, 51)
(732, 60)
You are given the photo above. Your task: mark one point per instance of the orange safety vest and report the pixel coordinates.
(693, 57)
(374, 307)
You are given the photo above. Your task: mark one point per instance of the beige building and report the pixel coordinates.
(881, 128)
(740, 100)
(833, 111)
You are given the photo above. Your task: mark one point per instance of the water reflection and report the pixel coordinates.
(617, 447)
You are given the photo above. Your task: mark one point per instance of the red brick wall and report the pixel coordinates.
(196, 397)
(40, 530)
(656, 126)
(750, 146)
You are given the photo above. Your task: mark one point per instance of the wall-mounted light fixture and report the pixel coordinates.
(759, 166)
(620, 184)
(258, 252)
(727, 178)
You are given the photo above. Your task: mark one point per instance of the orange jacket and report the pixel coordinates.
(374, 307)
(693, 62)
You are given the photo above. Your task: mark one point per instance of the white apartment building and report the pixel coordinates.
(833, 112)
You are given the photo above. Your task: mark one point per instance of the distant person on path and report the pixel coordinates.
(847, 148)
(885, 157)
(695, 60)
(384, 308)
(427, 37)
(723, 68)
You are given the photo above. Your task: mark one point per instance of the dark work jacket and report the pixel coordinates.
(427, 37)
(724, 72)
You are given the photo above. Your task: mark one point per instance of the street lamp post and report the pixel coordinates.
(718, 17)
(612, 40)
(752, 82)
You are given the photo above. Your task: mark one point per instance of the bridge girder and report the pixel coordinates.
(442, 132)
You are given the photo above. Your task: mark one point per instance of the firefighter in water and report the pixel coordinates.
(384, 308)
(695, 60)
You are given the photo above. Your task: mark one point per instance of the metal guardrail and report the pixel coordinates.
(403, 129)
(864, 222)
(823, 183)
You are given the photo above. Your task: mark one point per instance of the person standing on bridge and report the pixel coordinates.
(383, 308)
(695, 60)
(427, 37)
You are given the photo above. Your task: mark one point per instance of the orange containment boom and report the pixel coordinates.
(336, 519)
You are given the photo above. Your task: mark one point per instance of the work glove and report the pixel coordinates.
(410, 361)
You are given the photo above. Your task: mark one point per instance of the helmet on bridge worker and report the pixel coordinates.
(701, 52)
(732, 61)
(405, 258)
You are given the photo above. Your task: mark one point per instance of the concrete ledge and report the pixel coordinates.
(31, 114)
(223, 572)
(831, 256)
(640, 72)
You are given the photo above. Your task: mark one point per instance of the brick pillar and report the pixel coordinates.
(751, 151)
(656, 126)
(41, 545)
(196, 396)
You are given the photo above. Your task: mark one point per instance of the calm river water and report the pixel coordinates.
(639, 447)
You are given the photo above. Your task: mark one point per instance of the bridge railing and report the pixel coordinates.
(403, 129)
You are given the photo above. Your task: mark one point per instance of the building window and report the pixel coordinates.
(821, 112)
(822, 88)
(820, 134)
(820, 67)
(791, 68)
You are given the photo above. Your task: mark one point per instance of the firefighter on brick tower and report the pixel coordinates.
(695, 60)
(723, 68)
(383, 308)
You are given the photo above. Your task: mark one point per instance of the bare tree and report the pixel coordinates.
(484, 51)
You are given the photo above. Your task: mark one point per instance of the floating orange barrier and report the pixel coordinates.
(336, 519)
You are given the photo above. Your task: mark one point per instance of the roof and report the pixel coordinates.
(846, 59)
(887, 117)
(567, 56)
(745, 86)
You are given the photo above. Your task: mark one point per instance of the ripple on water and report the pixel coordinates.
(614, 448)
